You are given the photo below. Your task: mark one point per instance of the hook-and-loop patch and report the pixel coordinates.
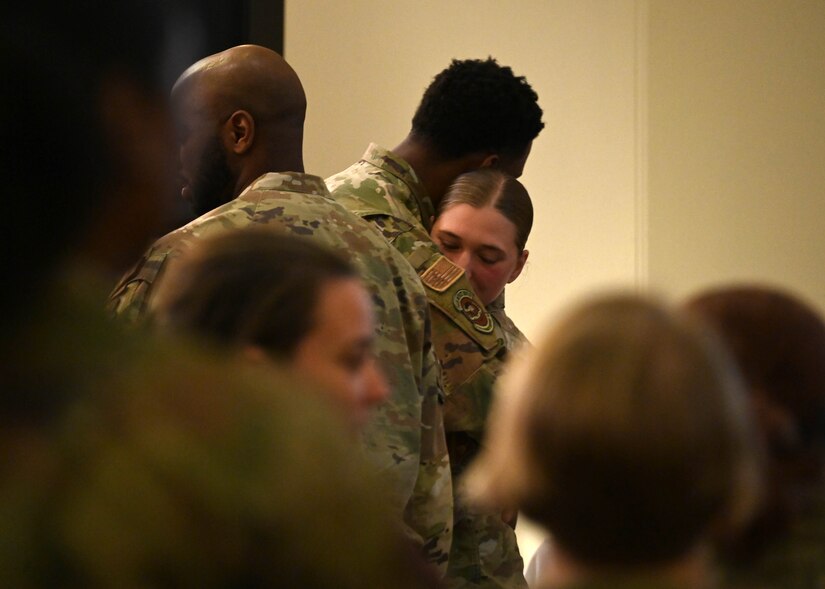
(466, 302)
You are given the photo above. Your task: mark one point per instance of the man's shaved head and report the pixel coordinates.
(241, 114)
(248, 77)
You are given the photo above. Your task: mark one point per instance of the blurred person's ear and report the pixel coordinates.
(254, 354)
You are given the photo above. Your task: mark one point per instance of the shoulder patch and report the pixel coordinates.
(465, 302)
(441, 275)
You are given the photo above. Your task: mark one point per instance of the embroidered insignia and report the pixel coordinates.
(466, 302)
(441, 275)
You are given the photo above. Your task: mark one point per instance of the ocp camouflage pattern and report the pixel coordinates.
(405, 439)
(385, 190)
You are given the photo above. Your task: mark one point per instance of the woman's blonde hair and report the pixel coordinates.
(624, 432)
(491, 187)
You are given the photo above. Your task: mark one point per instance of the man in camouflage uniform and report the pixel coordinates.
(129, 461)
(240, 115)
(475, 113)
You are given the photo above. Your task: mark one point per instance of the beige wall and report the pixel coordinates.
(365, 64)
(729, 187)
(737, 144)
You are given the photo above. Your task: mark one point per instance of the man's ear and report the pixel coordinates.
(522, 259)
(239, 132)
(490, 161)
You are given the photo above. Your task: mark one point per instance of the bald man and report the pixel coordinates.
(240, 116)
(114, 475)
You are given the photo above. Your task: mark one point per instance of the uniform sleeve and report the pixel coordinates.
(470, 347)
(430, 508)
(406, 437)
(129, 299)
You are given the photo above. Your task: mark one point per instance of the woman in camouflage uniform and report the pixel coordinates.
(483, 224)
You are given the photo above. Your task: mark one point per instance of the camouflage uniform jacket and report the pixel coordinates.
(405, 438)
(385, 190)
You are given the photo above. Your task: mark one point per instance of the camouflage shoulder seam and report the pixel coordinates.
(423, 258)
(392, 230)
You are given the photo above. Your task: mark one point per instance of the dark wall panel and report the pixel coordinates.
(214, 25)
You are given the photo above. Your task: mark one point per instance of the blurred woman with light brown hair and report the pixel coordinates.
(626, 434)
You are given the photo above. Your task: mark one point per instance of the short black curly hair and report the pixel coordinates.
(478, 105)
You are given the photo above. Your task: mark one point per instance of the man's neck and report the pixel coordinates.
(417, 156)
(435, 173)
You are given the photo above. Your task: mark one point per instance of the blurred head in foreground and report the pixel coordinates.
(626, 434)
(280, 298)
(87, 144)
(183, 470)
(778, 341)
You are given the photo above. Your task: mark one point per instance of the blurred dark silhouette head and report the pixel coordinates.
(86, 146)
(778, 341)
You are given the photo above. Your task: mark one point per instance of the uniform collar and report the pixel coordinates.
(497, 304)
(290, 182)
(418, 202)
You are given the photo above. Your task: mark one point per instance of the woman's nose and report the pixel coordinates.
(464, 260)
(377, 388)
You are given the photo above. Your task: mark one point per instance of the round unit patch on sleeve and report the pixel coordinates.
(465, 302)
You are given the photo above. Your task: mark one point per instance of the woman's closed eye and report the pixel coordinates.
(490, 255)
(489, 259)
(450, 246)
